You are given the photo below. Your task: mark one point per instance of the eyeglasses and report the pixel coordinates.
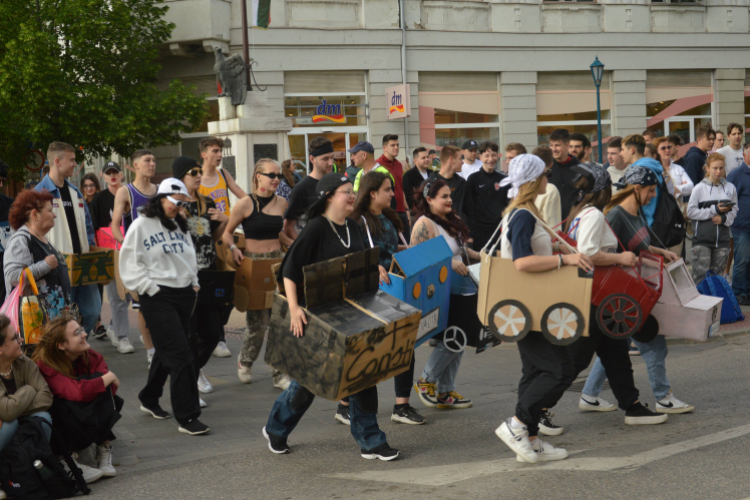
(79, 331)
(179, 203)
(89, 186)
(271, 176)
(348, 192)
(17, 337)
(195, 172)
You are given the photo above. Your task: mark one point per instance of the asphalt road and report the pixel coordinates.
(703, 455)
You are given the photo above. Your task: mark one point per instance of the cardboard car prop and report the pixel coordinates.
(682, 311)
(95, 266)
(421, 277)
(356, 335)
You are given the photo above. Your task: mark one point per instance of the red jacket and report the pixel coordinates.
(397, 171)
(77, 390)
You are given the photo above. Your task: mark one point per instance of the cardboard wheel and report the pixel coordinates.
(509, 321)
(454, 339)
(562, 323)
(241, 298)
(619, 316)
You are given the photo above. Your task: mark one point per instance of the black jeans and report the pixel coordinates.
(615, 358)
(403, 381)
(547, 372)
(206, 331)
(168, 316)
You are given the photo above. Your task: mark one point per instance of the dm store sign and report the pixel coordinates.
(397, 101)
(328, 113)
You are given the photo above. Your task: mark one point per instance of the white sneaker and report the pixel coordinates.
(89, 473)
(203, 384)
(113, 337)
(124, 346)
(150, 357)
(105, 460)
(245, 373)
(545, 451)
(202, 403)
(282, 382)
(589, 403)
(221, 350)
(517, 440)
(3, 496)
(670, 404)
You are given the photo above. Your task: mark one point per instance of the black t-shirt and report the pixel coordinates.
(459, 195)
(563, 177)
(70, 214)
(489, 200)
(10, 384)
(303, 195)
(101, 208)
(317, 243)
(201, 229)
(630, 229)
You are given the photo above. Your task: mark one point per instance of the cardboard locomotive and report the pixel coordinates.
(682, 311)
(254, 282)
(356, 335)
(421, 277)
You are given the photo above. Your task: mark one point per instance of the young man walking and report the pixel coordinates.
(733, 151)
(511, 151)
(580, 147)
(73, 232)
(128, 201)
(450, 167)
(470, 151)
(414, 177)
(617, 167)
(488, 198)
(102, 207)
(695, 158)
(389, 161)
(563, 175)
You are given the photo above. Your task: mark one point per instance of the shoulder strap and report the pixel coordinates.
(223, 176)
(367, 227)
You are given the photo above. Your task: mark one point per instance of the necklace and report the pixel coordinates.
(7, 374)
(348, 236)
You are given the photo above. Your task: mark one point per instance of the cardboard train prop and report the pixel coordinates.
(254, 280)
(356, 335)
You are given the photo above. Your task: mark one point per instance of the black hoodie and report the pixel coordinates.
(693, 162)
(562, 177)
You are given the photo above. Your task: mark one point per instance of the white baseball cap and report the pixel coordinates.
(170, 185)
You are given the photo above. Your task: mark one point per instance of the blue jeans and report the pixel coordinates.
(288, 409)
(654, 353)
(442, 367)
(89, 304)
(9, 429)
(740, 281)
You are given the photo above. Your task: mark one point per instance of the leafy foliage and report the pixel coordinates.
(84, 72)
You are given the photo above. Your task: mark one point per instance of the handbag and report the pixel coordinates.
(26, 313)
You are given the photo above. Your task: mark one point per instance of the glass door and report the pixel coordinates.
(682, 127)
(342, 140)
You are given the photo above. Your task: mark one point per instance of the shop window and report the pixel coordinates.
(326, 111)
(456, 127)
(582, 123)
(683, 123)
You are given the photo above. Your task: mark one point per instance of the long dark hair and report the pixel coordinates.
(154, 209)
(452, 222)
(598, 200)
(370, 182)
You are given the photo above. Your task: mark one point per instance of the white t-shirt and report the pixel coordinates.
(733, 157)
(424, 174)
(616, 174)
(467, 170)
(591, 231)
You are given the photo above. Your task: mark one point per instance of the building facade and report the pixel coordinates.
(509, 71)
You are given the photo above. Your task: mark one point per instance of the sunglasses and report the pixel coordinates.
(179, 203)
(195, 172)
(272, 176)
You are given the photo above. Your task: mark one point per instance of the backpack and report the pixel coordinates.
(22, 480)
(716, 286)
(669, 223)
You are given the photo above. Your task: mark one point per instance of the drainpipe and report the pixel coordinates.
(403, 73)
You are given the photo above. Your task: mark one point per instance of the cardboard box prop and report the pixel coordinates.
(512, 302)
(682, 311)
(105, 239)
(95, 266)
(121, 290)
(255, 276)
(356, 335)
(421, 277)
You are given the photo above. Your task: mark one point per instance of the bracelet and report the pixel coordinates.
(559, 262)
(233, 248)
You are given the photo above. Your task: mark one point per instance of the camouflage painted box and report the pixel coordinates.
(356, 336)
(96, 266)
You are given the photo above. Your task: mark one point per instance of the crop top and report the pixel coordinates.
(261, 226)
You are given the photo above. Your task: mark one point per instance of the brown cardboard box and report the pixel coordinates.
(255, 276)
(95, 266)
(356, 335)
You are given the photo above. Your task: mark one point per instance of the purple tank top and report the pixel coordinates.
(137, 200)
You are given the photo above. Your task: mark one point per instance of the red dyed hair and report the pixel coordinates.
(27, 201)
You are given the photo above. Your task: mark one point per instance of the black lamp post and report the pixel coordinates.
(597, 70)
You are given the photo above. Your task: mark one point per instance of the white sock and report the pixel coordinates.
(515, 424)
(151, 351)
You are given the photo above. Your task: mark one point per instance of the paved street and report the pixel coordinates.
(456, 455)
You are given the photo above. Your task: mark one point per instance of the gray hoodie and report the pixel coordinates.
(702, 207)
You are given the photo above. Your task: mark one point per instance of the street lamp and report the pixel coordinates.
(597, 69)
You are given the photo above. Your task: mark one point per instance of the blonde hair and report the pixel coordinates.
(260, 170)
(712, 158)
(619, 197)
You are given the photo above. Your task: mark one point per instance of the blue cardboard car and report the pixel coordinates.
(421, 277)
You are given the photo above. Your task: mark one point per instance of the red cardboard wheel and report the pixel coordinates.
(619, 316)
(562, 323)
(509, 321)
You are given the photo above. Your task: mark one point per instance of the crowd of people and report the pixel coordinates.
(166, 235)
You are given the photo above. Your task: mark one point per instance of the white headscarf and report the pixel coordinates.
(522, 169)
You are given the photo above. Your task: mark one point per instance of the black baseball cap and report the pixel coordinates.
(361, 146)
(470, 145)
(325, 188)
(111, 165)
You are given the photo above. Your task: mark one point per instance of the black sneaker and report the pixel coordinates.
(547, 426)
(342, 414)
(194, 428)
(639, 414)
(276, 444)
(100, 332)
(405, 414)
(155, 411)
(382, 452)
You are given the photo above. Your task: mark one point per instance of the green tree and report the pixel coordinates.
(84, 72)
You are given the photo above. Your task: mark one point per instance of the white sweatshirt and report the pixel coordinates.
(152, 256)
